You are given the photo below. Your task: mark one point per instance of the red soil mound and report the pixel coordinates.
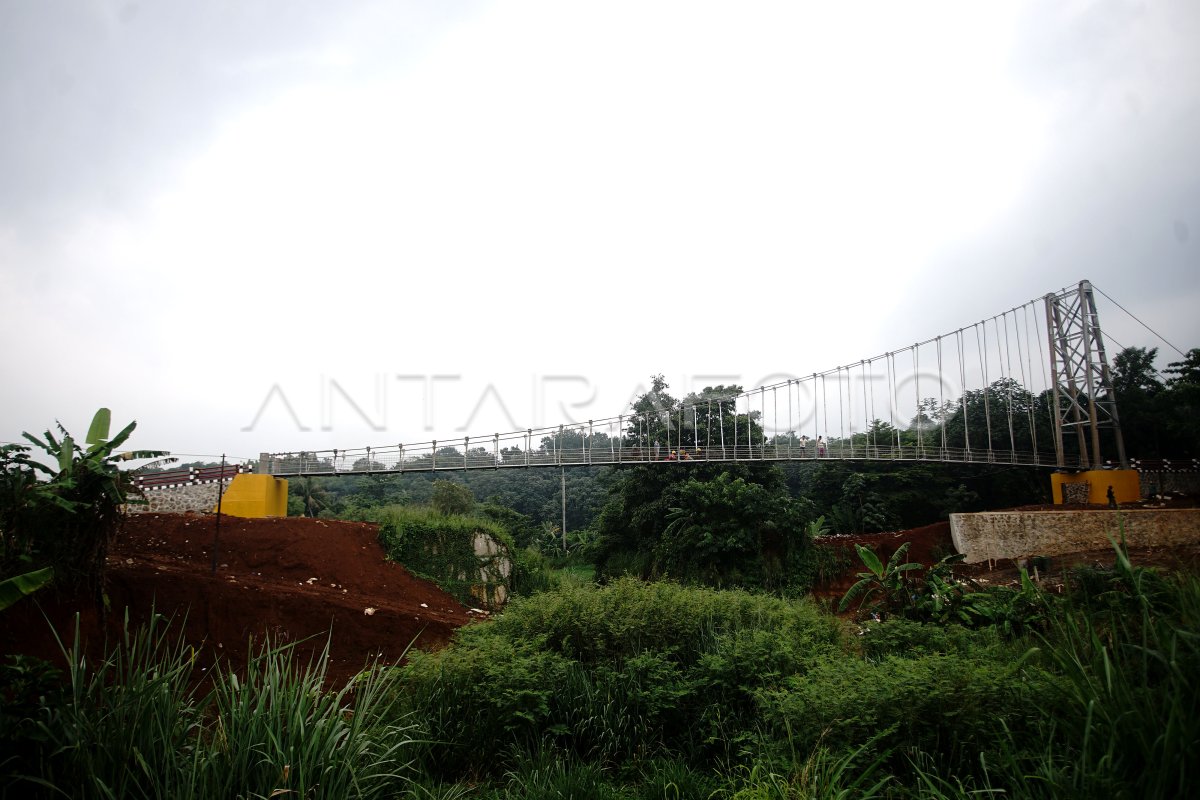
(288, 578)
(927, 546)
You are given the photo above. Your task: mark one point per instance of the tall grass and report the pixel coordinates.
(134, 725)
(1129, 723)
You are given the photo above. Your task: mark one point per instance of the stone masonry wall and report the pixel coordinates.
(1022, 534)
(1187, 483)
(177, 499)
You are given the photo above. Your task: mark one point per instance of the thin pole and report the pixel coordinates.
(762, 401)
(790, 434)
(816, 411)
(1085, 319)
(887, 380)
(1026, 381)
(1012, 436)
(563, 474)
(217, 530)
(983, 367)
(735, 416)
(941, 396)
(1037, 329)
(867, 413)
(775, 405)
(841, 418)
(916, 351)
(871, 425)
(721, 420)
(962, 381)
(707, 428)
(825, 408)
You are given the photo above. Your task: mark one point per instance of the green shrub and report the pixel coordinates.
(630, 616)
(901, 637)
(450, 498)
(531, 573)
(475, 698)
(623, 673)
(951, 705)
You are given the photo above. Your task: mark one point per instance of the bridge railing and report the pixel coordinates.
(431, 457)
(188, 476)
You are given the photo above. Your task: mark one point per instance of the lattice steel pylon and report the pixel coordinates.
(1084, 399)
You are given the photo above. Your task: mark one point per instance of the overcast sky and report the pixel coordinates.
(229, 220)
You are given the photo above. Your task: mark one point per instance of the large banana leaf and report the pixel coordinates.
(15, 588)
(98, 432)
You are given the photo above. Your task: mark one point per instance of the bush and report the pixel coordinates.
(624, 673)
(951, 705)
(901, 637)
(450, 498)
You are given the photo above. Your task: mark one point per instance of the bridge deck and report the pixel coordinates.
(397, 460)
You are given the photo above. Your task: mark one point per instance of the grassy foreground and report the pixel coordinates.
(639, 690)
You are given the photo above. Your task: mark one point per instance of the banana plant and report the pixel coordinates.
(888, 583)
(65, 511)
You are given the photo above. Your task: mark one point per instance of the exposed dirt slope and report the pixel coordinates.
(290, 578)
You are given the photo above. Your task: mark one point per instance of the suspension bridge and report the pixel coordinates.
(1028, 386)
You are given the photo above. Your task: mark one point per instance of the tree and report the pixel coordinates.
(451, 498)
(1179, 406)
(715, 523)
(729, 531)
(1137, 385)
(313, 495)
(1003, 416)
(1133, 371)
(1185, 372)
(860, 508)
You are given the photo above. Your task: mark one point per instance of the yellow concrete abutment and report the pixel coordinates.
(1125, 483)
(255, 496)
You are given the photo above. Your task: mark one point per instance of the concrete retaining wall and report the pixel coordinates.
(1021, 534)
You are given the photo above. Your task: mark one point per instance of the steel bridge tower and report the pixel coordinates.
(1084, 400)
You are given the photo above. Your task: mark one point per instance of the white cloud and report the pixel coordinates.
(551, 189)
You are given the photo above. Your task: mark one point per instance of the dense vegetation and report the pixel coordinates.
(655, 690)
